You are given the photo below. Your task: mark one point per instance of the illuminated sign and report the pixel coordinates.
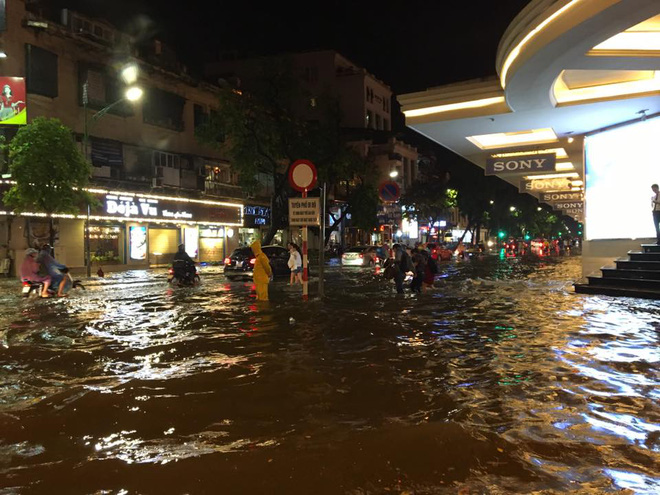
(565, 196)
(568, 205)
(256, 216)
(558, 184)
(129, 206)
(521, 164)
(13, 101)
(138, 242)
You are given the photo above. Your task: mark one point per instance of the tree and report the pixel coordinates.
(429, 198)
(48, 169)
(263, 129)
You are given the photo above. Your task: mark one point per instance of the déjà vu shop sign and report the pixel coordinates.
(143, 207)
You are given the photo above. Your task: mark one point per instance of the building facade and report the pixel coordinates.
(156, 184)
(365, 105)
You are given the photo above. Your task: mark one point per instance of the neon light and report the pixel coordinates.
(513, 55)
(455, 106)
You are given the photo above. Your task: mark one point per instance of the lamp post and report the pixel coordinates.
(133, 93)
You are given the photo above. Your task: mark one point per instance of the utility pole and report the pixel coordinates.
(322, 242)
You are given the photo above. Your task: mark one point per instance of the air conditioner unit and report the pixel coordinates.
(157, 182)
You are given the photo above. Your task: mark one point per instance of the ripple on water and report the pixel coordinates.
(499, 380)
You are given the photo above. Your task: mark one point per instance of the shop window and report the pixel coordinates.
(105, 242)
(41, 71)
(163, 109)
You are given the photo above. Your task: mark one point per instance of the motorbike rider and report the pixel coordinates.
(54, 269)
(30, 271)
(189, 263)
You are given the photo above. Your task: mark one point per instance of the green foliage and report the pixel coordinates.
(48, 168)
(264, 128)
(429, 198)
(364, 207)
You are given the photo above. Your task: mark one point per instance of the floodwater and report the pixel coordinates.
(501, 380)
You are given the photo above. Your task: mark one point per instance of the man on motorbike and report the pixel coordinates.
(30, 271)
(189, 264)
(55, 270)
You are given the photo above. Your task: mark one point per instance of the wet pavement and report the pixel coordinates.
(500, 380)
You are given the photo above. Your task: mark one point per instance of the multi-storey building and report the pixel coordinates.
(365, 105)
(157, 185)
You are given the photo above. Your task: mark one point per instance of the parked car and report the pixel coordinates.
(240, 263)
(360, 256)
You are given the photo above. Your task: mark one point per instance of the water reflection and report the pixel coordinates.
(499, 380)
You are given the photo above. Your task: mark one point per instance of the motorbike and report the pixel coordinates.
(34, 289)
(183, 273)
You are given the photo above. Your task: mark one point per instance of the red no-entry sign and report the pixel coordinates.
(302, 175)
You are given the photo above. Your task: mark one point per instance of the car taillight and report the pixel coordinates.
(171, 271)
(361, 255)
(376, 259)
(253, 261)
(227, 261)
(26, 283)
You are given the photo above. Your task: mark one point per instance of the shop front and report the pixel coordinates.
(127, 230)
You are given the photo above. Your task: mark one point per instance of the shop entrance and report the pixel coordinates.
(163, 244)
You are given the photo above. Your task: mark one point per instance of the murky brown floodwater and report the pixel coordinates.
(499, 381)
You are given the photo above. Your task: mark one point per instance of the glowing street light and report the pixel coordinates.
(394, 173)
(129, 73)
(134, 93)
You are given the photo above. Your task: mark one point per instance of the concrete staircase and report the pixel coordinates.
(637, 276)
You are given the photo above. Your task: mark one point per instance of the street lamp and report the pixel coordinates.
(394, 173)
(133, 93)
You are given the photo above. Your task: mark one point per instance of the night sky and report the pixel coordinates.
(410, 45)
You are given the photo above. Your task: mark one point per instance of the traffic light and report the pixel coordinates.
(501, 234)
(527, 237)
(579, 229)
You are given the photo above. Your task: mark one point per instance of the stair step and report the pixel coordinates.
(616, 291)
(637, 265)
(609, 272)
(634, 283)
(640, 256)
(651, 248)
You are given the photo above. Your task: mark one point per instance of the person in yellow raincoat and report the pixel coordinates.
(262, 271)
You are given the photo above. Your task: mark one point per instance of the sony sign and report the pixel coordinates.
(524, 164)
(568, 205)
(558, 184)
(564, 196)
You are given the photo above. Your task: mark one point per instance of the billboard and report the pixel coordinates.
(13, 101)
(621, 164)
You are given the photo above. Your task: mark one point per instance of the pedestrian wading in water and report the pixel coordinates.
(262, 272)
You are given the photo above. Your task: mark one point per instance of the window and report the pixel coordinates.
(200, 117)
(386, 124)
(166, 160)
(370, 118)
(41, 71)
(311, 75)
(379, 122)
(163, 109)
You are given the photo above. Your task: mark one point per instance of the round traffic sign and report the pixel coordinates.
(389, 191)
(302, 175)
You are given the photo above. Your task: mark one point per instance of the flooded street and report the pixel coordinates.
(501, 380)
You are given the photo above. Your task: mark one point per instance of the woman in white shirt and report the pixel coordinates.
(295, 264)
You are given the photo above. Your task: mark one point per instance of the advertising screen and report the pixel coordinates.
(621, 164)
(13, 109)
(138, 242)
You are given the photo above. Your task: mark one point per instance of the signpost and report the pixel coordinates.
(389, 191)
(302, 177)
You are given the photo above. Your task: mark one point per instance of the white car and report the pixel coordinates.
(360, 256)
